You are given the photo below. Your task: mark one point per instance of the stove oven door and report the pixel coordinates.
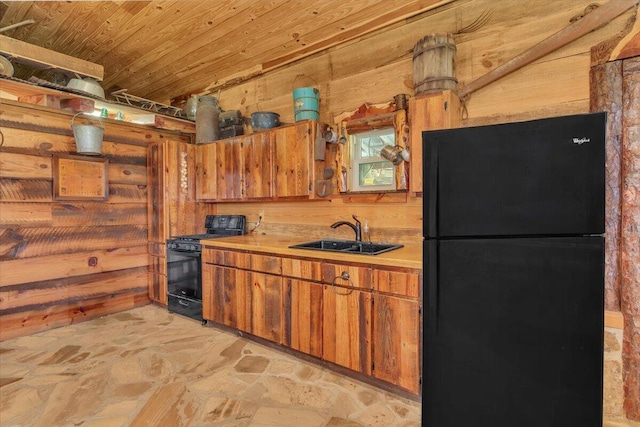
(184, 274)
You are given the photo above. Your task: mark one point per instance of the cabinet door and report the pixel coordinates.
(346, 328)
(224, 297)
(157, 217)
(257, 176)
(303, 313)
(266, 305)
(229, 167)
(158, 288)
(206, 182)
(292, 160)
(181, 210)
(396, 341)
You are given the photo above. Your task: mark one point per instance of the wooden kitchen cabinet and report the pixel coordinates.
(440, 110)
(250, 301)
(293, 164)
(346, 324)
(303, 305)
(229, 169)
(257, 176)
(224, 297)
(271, 164)
(396, 325)
(266, 302)
(366, 318)
(396, 341)
(206, 169)
(171, 205)
(220, 168)
(303, 313)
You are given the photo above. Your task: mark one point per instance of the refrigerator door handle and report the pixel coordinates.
(432, 196)
(432, 287)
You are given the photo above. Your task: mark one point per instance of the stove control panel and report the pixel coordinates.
(184, 246)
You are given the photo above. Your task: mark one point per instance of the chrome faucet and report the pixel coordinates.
(356, 228)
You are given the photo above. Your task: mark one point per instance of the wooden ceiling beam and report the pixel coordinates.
(43, 58)
(593, 20)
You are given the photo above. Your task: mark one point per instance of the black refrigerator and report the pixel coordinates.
(513, 317)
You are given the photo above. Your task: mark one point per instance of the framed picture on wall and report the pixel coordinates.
(80, 178)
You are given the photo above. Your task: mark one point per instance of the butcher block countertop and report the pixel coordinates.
(409, 256)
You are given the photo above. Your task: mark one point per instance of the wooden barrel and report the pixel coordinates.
(434, 64)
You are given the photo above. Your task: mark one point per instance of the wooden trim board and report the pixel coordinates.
(45, 58)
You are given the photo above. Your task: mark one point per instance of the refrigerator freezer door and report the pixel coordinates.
(542, 177)
(519, 332)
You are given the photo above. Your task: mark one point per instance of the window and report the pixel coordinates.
(370, 172)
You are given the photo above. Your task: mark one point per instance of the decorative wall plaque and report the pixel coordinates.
(79, 178)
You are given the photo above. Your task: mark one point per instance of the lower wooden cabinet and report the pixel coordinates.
(265, 305)
(303, 313)
(158, 279)
(245, 300)
(346, 323)
(224, 297)
(361, 317)
(395, 341)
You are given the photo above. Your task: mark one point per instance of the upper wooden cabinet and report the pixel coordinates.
(292, 149)
(219, 169)
(257, 174)
(433, 111)
(271, 164)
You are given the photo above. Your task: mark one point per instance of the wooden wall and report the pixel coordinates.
(377, 67)
(67, 261)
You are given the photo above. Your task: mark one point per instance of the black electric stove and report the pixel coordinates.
(184, 264)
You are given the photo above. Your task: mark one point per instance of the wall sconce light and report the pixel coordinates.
(395, 154)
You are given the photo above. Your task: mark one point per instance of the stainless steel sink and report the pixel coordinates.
(347, 246)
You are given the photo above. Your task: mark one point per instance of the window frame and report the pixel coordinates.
(356, 160)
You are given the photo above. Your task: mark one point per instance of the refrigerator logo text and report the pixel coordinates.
(580, 141)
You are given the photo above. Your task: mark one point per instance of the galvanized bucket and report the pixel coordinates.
(88, 138)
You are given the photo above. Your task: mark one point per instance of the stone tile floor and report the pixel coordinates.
(147, 367)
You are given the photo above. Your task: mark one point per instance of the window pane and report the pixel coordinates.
(369, 144)
(375, 174)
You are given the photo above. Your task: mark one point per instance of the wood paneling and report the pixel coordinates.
(172, 54)
(66, 261)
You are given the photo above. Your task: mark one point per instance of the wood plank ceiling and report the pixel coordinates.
(166, 50)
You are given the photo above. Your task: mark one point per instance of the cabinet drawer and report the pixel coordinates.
(226, 258)
(397, 282)
(264, 263)
(361, 277)
(302, 269)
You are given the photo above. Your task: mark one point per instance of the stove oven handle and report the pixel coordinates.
(181, 302)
